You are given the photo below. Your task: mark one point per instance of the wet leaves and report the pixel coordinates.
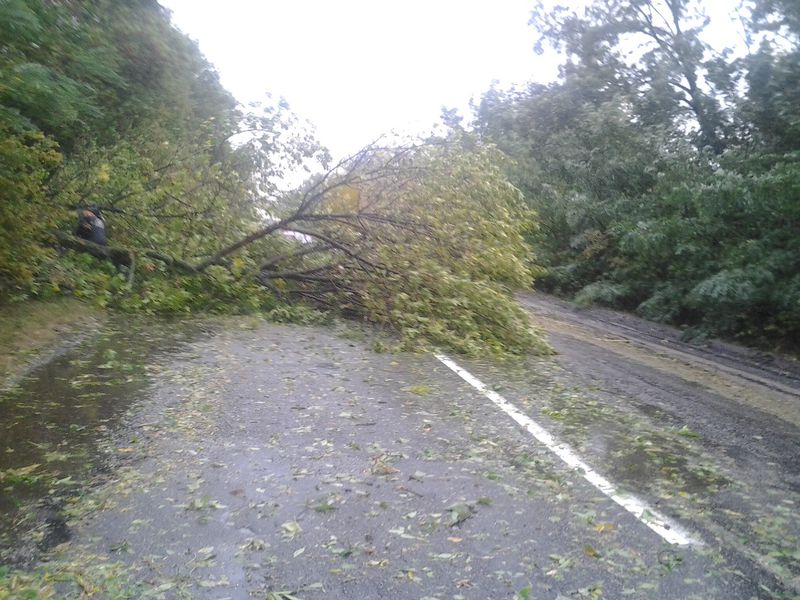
(458, 513)
(593, 592)
(605, 527)
(403, 533)
(84, 576)
(325, 506)
(291, 529)
(381, 467)
(214, 583)
(524, 594)
(561, 563)
(591, 551)
(26, 475)
(203, 503)
(418, 390)
(369, 511)
(254, 545)
(670, 560)
(283, 595)
(122, 547)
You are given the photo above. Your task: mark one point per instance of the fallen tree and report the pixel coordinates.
(427, 239)
(122, 257)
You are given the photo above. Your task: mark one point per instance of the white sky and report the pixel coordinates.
(360, 68)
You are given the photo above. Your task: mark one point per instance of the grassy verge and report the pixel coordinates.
(30, 329)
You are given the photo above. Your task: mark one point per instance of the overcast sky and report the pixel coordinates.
(359, 68)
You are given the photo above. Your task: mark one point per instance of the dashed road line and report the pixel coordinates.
(669, 530)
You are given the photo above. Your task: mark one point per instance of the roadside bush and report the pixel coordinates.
(155, 289)
(602, 292)
(26, 160)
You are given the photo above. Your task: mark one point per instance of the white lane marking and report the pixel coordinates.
(663, 526)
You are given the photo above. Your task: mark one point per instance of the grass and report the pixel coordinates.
(29, 329)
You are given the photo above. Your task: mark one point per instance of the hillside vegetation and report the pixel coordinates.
(105, 103)
(658, 174)
(665, 173)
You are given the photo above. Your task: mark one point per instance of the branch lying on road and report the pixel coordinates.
(340, 233)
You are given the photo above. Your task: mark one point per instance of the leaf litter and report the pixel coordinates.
(377, 485)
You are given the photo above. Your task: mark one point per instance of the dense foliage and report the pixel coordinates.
(105, 103)
(100, 103)
(427, 239)
(665, 173)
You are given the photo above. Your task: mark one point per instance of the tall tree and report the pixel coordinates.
(665, 175)
(652, 50)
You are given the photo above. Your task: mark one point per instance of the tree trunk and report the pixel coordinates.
(119, 256)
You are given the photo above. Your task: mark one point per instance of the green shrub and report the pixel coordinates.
(603, 293)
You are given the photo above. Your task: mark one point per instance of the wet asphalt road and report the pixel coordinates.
(273, 459)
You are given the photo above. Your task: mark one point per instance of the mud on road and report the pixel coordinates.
(740, 407)
(266, 461)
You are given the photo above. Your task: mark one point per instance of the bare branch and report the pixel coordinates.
(245, 241)
(342, 248)
(297, 254)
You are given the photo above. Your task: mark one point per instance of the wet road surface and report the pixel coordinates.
(56, 423)
(270, 459)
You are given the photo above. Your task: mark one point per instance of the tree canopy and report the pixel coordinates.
(658, 174)
(664, 171)
(105, 103)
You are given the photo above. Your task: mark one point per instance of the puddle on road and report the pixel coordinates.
(646, 451)
(56, 424)
(635, 455)
(630, 450)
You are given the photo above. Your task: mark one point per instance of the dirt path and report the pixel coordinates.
(275, 462)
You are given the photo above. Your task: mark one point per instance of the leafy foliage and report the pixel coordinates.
(453, 284)
(26, 157)
(106, 103)
(665, 174)
(95, 99)
(427, 239)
